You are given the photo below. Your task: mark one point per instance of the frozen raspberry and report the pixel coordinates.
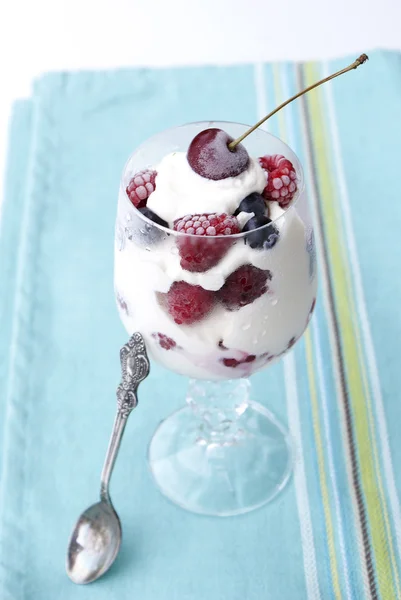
(266, 357)
(244, 286)
(291, 343)
(164, 341)
(198, 253)
(141, 186)
(187, 303)
(122, 303)
(233, 362)
(210, 156)
(230, 362)
(312, 308)
(281, 181)
(209, 224)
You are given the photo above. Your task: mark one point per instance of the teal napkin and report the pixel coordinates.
(335, 531)
(11, 234)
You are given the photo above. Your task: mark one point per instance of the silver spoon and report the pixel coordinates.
(96, 539)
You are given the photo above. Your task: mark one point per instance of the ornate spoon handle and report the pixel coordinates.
(134, 369)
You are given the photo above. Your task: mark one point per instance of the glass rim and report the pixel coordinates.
(234, 236)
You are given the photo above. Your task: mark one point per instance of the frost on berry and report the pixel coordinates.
(210, 156)
(281, 181)
(164, 341)
(187, 303)
(140, 187)
(199, 249)
(244, 286)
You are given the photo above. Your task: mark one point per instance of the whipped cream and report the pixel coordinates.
(180, 191)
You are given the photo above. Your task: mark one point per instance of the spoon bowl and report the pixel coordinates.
(94, 543)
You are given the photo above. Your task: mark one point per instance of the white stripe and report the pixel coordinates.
(363, 314)
(330, 455)
(313, 204)
(301, 490)
(322, 384)
(260, 88)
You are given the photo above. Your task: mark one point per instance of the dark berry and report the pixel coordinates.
(197, 251)
(263, 233)
(254, 203)
(243, 287)
(153, 216)
(233, 362)
(187, 303)
(122, 303)
(210, 156)
(165, 342)
(291, 343)
(230, 362)
(312, 308)
(141, 186)
(146, 234)
(250, 358)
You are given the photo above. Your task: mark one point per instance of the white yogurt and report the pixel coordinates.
(180, 191)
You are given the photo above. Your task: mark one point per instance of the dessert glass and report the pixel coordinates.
(222, 454)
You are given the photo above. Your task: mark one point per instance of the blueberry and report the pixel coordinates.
(146, 234)
(153, 216)
(266, 237)
(253, 203)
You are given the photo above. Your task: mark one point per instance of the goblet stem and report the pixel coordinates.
(219, 406)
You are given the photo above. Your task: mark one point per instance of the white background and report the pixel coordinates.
(42, 35)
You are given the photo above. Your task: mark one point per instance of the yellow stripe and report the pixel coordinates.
(351, 347)
(321, 465)
(315, 404)
(372, 434)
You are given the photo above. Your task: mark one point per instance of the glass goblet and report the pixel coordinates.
(222, 454)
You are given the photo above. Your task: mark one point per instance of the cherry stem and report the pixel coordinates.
(359, 61)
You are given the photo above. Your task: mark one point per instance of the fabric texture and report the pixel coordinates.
(335, 532)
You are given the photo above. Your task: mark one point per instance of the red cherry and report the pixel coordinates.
(210, 156)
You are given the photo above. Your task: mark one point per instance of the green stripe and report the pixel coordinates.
(362, 424)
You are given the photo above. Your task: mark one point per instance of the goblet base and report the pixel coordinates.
(224, 475)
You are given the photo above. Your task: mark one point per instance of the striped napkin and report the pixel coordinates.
(336, 530)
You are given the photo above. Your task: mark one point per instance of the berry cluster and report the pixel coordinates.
(188, 303)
